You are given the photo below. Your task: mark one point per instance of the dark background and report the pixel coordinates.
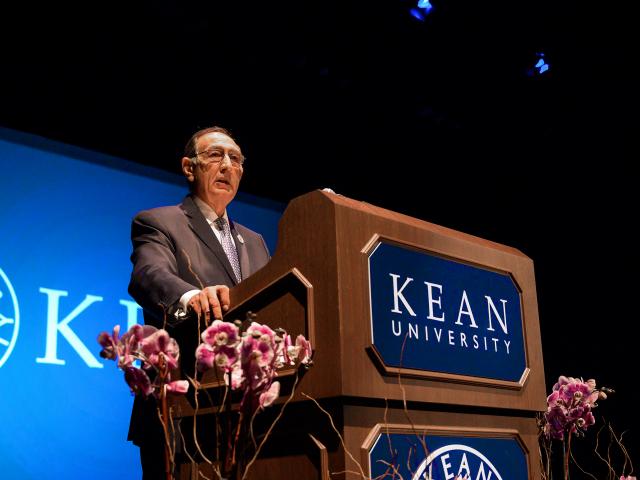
(443, 119)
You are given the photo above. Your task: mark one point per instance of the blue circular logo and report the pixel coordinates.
(448, 460)
(9, 317)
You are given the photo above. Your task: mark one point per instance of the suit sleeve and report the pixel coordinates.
(155, 283)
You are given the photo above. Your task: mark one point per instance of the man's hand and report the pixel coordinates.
(211, 302)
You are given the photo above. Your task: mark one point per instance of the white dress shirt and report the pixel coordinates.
(211, 217)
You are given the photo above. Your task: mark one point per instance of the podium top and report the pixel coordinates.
(399, 307)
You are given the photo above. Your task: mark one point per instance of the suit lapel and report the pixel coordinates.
(202, 229)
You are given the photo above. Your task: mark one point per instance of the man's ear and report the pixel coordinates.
(188, 168)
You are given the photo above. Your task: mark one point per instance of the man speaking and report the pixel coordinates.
(185, 258)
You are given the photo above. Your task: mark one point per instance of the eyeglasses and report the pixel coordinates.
(215, 155)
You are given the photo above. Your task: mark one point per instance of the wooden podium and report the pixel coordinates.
(317, 283)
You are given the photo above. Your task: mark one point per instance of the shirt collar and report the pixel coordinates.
(208, 212)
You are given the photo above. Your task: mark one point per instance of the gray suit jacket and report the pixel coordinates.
(174, 251)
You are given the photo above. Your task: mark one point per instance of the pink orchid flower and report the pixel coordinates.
(205, 357)
(178, 386)
(251, 361)
(305, 352)
(270, 395)
(286, 352)
(261, 332)
(109, 343)
(221, 333)
(157, 343)
(569, 407)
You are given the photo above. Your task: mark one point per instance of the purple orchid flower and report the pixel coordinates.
(138, 381)
(147, 344)
(569, 407)
(251, 361)
(157, 343)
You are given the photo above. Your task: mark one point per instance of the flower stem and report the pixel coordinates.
(165, 417)
(566, 455)
(235, 441)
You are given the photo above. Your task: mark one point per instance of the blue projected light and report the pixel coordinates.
(64, 272)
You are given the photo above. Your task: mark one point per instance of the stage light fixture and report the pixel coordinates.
(541, 65)
(423, 9)
(425, 5)
(417, 14)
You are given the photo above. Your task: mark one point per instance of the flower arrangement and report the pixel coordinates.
(569, 407)
(154, 348)
(158, 354)
(569, 414)
(247, 360)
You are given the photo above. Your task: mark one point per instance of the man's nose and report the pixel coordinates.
(226, 162)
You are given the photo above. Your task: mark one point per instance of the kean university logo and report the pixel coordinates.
(423, 456)
(456, 461)
(9, 317)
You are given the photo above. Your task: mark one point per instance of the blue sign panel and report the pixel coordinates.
(452, 317)
(447, 457)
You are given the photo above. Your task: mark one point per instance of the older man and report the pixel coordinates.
(185, 258)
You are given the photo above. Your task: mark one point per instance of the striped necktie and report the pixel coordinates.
(228, 246)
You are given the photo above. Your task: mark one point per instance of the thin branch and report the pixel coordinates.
(573, 458)
(204, 476)
(264, 439)
(421, 437)
(609, 462)
(191, 459)
(169, 459)
(253, 438)
(596, 449)
(393, 453)
(544, 449)
(337, 432)
(344, 471)
(195, 416)
(386, 472)
(408, 465)
(627, 457)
